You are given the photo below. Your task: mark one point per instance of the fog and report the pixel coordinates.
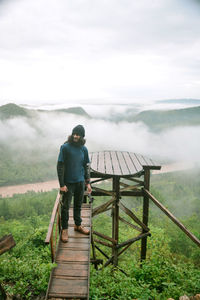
(43, 135)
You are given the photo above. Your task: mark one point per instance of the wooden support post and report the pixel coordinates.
(145, 213)
(115, 219)
(93, 251)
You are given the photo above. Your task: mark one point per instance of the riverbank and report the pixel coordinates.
(9, 191)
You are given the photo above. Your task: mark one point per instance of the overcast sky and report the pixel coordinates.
(95, 51)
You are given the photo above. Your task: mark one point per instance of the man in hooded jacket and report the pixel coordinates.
(73, 176)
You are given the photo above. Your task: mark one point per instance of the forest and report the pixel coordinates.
(173, 260)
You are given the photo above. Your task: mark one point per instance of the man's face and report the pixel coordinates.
(76, 138)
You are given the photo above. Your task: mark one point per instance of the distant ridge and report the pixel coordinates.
(181, 101)
(158, 120)
(12, 110)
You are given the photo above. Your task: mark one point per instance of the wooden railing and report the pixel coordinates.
(173, 218)
(54, 227)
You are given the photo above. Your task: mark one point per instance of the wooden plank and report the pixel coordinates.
(142, 160)
(75, 246)
(129, 163)
(147, 163)
(122, 162)
(101, 163)
(115, 163)
(94, 161)
(73, 270)
(136, 163)
(71, 255)
(108, 163)
(66, 287)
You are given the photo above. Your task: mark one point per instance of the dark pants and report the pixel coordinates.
(76, 190)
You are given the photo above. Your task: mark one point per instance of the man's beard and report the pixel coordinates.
(76, 143)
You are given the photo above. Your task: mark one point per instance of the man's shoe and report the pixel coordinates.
(81, 229)
(64, 235)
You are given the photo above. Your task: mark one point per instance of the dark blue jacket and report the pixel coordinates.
(74, 162)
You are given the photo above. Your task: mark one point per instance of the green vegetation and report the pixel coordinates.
(34, 166)
(170, 270)
(11, 110)
(25, 269)
(158, 120)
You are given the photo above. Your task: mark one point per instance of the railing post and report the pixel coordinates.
(145, 212)
(115, 219)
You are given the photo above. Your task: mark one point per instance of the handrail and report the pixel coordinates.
(49, 236)
(173, 218)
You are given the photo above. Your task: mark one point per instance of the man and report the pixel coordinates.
(73, 176)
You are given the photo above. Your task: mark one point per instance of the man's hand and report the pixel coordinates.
(63, 189)
(89, 189)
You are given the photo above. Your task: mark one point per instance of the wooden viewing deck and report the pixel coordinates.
(70, 279)
(129, 175)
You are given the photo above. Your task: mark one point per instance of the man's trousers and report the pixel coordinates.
(76, 190)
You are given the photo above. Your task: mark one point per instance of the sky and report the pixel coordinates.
(97, 51)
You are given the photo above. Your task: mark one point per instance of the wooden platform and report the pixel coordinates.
(70, 279)
(120, 163)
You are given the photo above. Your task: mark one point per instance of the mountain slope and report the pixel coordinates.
(159, 120)
(12, 110)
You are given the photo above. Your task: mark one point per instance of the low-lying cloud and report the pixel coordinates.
(44, 135)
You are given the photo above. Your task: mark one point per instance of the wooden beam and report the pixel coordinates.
(6, 243)
(103, 243)
(145, 212)
(133, 193)
(115, 218)
(102, 191)
(105, 237)
(132, 216)
(130, 241)
(130, 224)
(173, 218)
(131, 187)
(136, 180)
(101, 251)
(102, 208)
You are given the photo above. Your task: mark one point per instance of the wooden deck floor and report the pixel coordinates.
(120, 163)
(70, 279)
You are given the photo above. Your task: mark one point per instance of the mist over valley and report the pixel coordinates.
(30, 138)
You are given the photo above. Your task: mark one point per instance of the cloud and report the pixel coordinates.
(42, 140)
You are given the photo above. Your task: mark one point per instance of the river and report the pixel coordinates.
(9, 191)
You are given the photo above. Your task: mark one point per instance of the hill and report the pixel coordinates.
(12, 110)
(181, 101)
(158, 120)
